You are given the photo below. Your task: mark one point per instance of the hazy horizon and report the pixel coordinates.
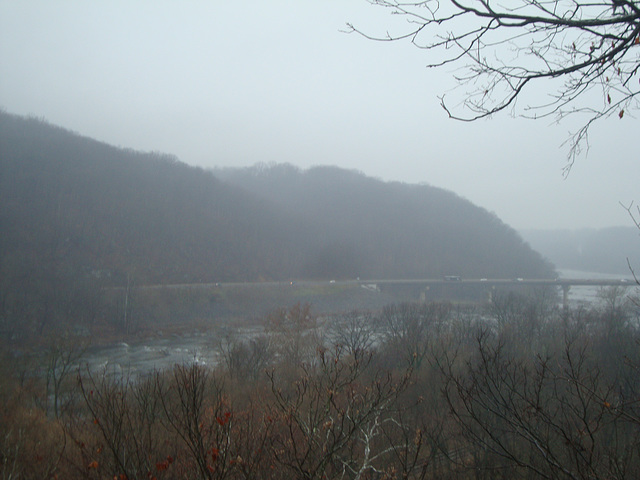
(220, 84)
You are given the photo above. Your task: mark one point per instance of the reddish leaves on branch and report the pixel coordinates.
(162, 466)
(224, 420)
(214, 454)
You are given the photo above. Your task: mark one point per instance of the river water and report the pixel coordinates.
(154, 353)
(202, 348)
(588, 296)
(160, 352)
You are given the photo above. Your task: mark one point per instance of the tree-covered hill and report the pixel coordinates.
(370, 228)
(74, 205)
(78, 215)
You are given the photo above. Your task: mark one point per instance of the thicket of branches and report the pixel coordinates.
(418, 391)
(584, 54)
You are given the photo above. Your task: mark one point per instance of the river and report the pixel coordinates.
(202, 348)
(588, 296)
(160, 352)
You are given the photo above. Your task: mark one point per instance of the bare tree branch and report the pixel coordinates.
(586, 52)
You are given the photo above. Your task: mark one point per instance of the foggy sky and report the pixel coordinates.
(236, 83)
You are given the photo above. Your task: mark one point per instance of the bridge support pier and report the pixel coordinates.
(565, 297)
(423, 295)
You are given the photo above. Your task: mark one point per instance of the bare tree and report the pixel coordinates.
(541, 416)
(293, 333)
(575, 48)
(354, 331)
(126, 413)
(334, 419)
(407, 329)
(156, 426)
(62, 358)
(634, 213)
(247, 358)
(195, 410)
(521, 320)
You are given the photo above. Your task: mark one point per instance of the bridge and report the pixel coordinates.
(493, 281)
(564, 283)
(446, 282)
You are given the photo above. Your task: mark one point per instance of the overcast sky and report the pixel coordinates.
(234, 83)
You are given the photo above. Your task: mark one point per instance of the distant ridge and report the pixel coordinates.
(75, 213)
(73, 201)
(390, 229)
(604, 250)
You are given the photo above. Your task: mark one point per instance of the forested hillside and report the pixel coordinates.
(381, 229)
(77, 215)
(92, 207)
